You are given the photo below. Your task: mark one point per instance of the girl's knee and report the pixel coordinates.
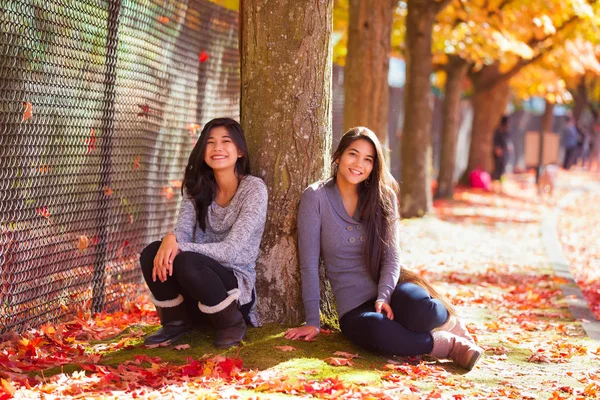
(148, 254)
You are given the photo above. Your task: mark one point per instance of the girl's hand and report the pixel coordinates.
(385, 309)
(307, 332)
(163, 262)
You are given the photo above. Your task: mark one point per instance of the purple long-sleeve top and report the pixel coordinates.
(326, 230)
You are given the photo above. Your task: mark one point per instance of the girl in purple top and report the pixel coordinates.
(351, 222)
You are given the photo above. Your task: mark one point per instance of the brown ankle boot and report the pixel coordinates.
(460, 350)
(174, 321)
(227, 319)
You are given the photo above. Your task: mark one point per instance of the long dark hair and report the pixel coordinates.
(199, 179)
(376, 211)
(375, 199)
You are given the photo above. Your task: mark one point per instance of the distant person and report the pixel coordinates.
(501, 149)
(570, 137)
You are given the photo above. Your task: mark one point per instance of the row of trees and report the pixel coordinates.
(286, 58)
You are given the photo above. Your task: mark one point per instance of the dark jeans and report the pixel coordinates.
(415, 315)
(196, 277)
(570, 157)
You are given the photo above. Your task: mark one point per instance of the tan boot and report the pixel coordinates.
(454, 325)
(460, 350)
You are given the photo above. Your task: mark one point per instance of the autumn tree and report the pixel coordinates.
(366, 93)
(286, 113)
(415, 196)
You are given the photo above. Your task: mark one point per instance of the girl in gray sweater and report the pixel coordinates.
(351, 222)
(206, 266)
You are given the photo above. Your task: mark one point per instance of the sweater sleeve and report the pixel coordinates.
(184, 229)
(309, 244)
(390, 265)
(244, 234)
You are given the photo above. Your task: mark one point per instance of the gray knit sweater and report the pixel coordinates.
(233, 234)
(326, 230)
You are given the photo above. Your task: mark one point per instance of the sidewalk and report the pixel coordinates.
(487, 251)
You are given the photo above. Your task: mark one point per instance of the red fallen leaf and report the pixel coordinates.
(91, 142)
(145, 110)
(154, 346)
(28, 112)
(325, 331)
(43, 211)
(136, 163)
(285, 348)
(346, 355)
(108, 191)
(337, 361)
(203, 56)
(83, 243)
(538, 358)
(182, 347)
(95, 240)
(163, 20)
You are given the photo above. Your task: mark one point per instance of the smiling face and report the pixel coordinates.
(356, 162)
(221, 153)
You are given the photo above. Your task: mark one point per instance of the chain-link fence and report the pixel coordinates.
(100, 105)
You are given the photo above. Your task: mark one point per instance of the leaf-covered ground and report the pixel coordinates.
(482, 249)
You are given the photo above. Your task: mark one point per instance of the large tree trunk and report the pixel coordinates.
(456, 70)
(286, 60)
(415, 194)
(366, 93)
(580, 99)
(547, 120)
(489, 103)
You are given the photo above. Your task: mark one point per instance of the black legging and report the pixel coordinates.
(196, 277)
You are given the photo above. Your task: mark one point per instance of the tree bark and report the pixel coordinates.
(286, 59)
(580, 99)
(547, 120)
(366, 93)
(489, 103)
(415, 195)
(456, 71)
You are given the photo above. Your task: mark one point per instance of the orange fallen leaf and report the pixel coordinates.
(163, 20)
(182, 347)
(43, 211)
(285, 348)
(168, 192)
(8, 387)
(338, 361)
(82, 243)
(28, 112)
(325, 331)
(108, 191)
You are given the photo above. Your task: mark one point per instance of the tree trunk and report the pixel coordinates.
(489, 102)
(286, 60)
(366, 93)
(580, 99)
(415, 195)
(456, 70)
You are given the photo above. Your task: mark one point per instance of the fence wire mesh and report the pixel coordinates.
(100, 105)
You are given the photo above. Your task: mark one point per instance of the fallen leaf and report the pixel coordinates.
(168, 192)
(44, 169)
(8, 387)
(43, 211)
(28, 112)
(285, 348)
(182, 347)
(163, 20)
(338, 361)
(145, 110)
(203, 56)
(136, 163)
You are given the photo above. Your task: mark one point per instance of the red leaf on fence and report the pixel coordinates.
(43, 211)
(44, 169)
(168, 192)
(145, 110)
(203, 56)
(163, 20)
(91, 142)
(108, 191)
(28, 112)
(136, 163)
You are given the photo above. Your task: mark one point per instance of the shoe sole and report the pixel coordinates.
(474, 359)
